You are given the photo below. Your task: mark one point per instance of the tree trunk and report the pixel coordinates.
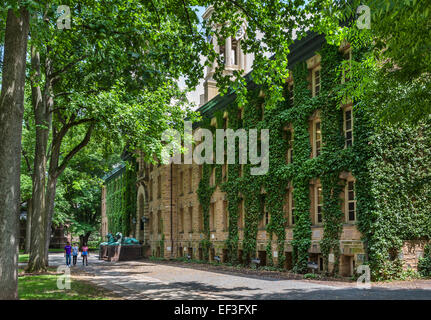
(28, 227)
(55, 170)
(43, 119)
(50, 200)
(83, 239)
(11, 116)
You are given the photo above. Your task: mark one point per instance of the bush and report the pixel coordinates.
(424, 265)
(311, 276)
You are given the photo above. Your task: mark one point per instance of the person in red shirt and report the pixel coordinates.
(84, 254)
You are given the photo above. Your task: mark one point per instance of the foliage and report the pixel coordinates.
(121, 200)
(382, 156)
(396, 80)
(424, 265)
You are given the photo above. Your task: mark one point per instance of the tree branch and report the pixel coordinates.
(75, 150)
(157, 13)
(188, 17)
(27, 161)
(55, 74)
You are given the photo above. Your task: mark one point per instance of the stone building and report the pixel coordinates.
(169, 216)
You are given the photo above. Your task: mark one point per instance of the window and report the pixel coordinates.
(212, 216)
(181, 183)
(265, 215)
(159, 222)
(241, 214)
(290, 146)
(151, 189)
(201, 219)
(181, 220)
(151, 222)
(319, 204)
(190, 180)
(190, 219)
(350, 201)
(225, 216)
(291, 207)
(225, 123)
(348, 127)
(347, 67)
(234, 58)
(224, 172)
(290, 93)
(222, 53)
(159, 186)
(316, 81)
(212, 177)
(317, 138)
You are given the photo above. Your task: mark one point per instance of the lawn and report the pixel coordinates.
(23, 257)
(44, 287)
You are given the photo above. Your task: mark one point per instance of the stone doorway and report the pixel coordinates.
(262, 257)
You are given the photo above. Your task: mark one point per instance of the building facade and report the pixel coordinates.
(319, 199)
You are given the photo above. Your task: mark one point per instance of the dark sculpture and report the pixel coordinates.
(118, 240)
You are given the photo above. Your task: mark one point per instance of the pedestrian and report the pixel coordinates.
(84, 254)
(67, 250)
(75, 250)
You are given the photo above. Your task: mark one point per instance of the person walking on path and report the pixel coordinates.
(67, 250)
(84, 254)
(75, 250)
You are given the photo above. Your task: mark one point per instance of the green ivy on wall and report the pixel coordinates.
(381, 157)
(121, 194)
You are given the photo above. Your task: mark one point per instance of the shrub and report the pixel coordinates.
(424, 265)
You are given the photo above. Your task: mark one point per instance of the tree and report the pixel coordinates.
(79, 68)
(393, 77)
(11, 114)
(80, 188)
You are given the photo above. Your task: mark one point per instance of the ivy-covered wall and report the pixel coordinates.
(121, 197)
(390, 165)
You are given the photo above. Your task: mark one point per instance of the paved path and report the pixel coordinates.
(151, 280)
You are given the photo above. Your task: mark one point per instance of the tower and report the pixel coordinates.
(230, 51)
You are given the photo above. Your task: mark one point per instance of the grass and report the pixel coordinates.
(23, 258)
(44, 287)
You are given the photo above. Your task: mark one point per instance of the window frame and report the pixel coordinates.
(191, 219)
(159, 186)
(212, 216)
(190, 179)
(345, 110)
(313, 80)
(318, 205)
(181, 220)
(290, 146)
(291, 208)
(225, 216)
(347, 201)
(347, 51)
(291, 92)
(315, 122)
